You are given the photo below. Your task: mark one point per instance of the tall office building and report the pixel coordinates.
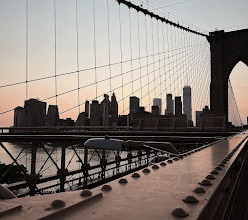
(113, 111)
(178, 105)
(169, 104)
(187, 105)
(157, 102)
(87, 108)
(52, 116)
(105, 107)
(134, 103)
(35, 113)
(197, 118)
(95, 113)
(19, 113)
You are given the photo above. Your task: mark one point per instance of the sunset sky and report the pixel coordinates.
(209, 15)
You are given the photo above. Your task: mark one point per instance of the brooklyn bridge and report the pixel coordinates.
(115, 109)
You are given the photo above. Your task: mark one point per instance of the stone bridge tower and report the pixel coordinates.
(227, 49)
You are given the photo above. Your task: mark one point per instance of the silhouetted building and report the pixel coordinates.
(113, 111)
(134, 103)
(178, 105)
(123, 120)
(169, 105)
(187, 105)
(105, 108)
(82, 119)
(206, 110)
(35, 113)
(52, 116)
(19, 117)
(197, 118)
(66, 122)
(87, 108)
(155, 110)
(94, 113)
(157, 102)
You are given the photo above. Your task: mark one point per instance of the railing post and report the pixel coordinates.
(62, 170)
(86, 171)
(32, 179)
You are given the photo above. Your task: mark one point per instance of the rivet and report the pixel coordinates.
(135, 175)
(188, 153)
(214, 172)
(169, 161)
(58, 203)
(106, 188)
(224, 162)
(155, 167)
(221, 165)
(176, 158)
(210, 177)
(190, 199)
(180, 156)
(199, 190)
(146, 170)
(205, 183)
(86, 193)
(179, 212)
(218, 168)
(123, 181)
(163, 164)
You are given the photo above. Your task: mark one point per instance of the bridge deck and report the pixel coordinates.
(152, 196)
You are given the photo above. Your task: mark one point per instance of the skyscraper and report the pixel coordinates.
(157, 102)
(87, 108)
(133, 106)
(94, 113)
(35, 113)
(178, 105)
(105, 107)
(169, 104)
(187, 105)
(52, 116)
(113, 111)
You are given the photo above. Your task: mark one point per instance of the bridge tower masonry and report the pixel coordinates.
(227, 49)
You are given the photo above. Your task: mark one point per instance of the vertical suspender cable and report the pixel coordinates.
(130, 41)
(159, 60)
(94, 32)
(26, 49)
(122, 79)
(154, 72)
(147, 62)
(55, 52)
(78, 80)
(109, 53)
(139, 57)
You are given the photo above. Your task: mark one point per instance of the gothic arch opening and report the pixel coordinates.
(238, 88)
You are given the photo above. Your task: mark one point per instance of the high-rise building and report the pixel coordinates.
(169, 104)
(134, 103)
(178, 105)
(82, 119)
(187, 105)
(19, 114)
(155, 110)
(95, 113)
(113, 111)
(157, 102)
(105, 110)
(35, 113)
(52, 116)
(197, 118)
(87, 108)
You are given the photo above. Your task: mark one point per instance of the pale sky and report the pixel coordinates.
(208, 15)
